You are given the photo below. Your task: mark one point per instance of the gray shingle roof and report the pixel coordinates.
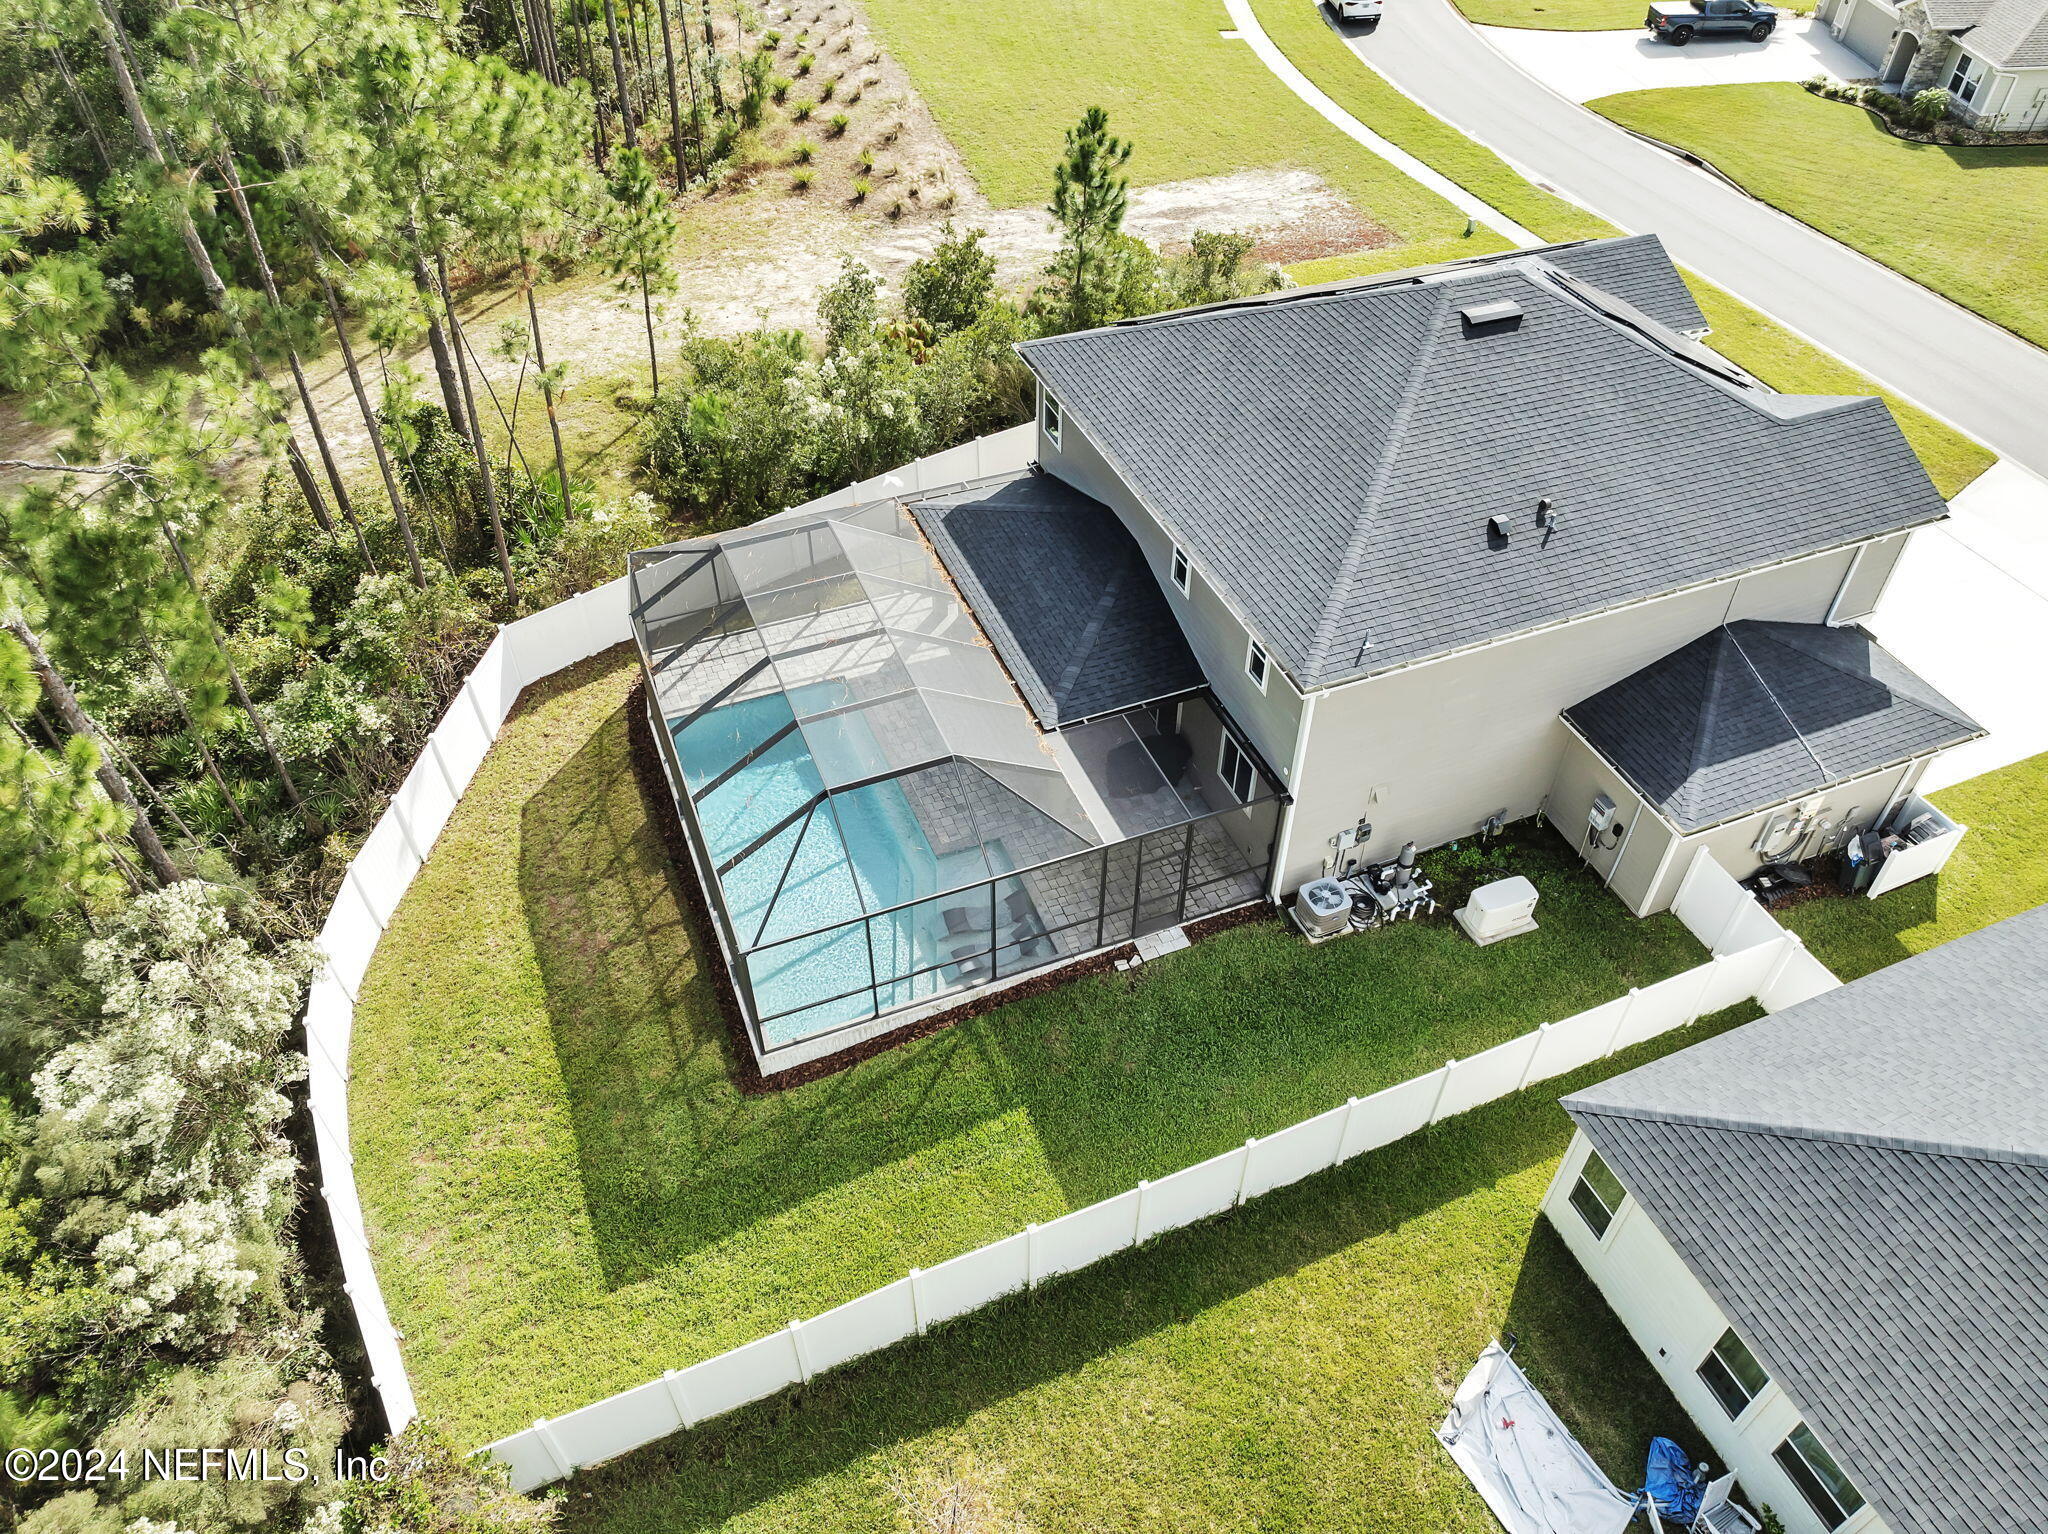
(2013, 34)
(1754, 713)
(1330, 459)
(1065, 595)
(1861, 1182)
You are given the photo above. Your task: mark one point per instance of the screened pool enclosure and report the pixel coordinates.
(877, 818)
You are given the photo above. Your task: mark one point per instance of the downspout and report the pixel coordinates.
(1292, 804)
(1841, 591)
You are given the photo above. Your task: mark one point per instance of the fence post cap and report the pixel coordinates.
(540, 1422)
(1030, 1226)
(669, 1374)
(1251, 1140)
(1633, 989)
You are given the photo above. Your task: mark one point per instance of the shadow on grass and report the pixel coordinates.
(697, 1479)
(1256, 1030)
(1111, 1079)
(1576, 1351)
(672, 1158)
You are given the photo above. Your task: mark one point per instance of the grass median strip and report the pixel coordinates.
(1280, 1368)
(567, 1194)
(1970, 223)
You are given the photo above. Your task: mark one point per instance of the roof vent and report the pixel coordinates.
(1503, 312)
(1499, 527)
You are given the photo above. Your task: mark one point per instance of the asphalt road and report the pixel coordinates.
(1974, 374)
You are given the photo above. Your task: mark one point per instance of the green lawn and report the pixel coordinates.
(1997, 872)
(1007, 81)
(1281, 1368)
(1303, 32)
(1968, 223)
(566, 1194)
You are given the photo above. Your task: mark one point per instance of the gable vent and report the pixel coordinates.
(1502, 312)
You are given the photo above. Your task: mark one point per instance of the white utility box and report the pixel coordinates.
(1504, 908)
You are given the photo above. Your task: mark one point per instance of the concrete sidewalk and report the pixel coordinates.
(1967, 608)
(1582, 66)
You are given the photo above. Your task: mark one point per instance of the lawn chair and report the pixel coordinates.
(1718, 1513)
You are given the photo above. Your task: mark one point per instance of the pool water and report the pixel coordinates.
(858, 851)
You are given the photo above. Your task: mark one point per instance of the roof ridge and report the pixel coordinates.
(1724, 1124)
(1710, 701)
(1786, 634)
(1361, 526)
(1777, 702)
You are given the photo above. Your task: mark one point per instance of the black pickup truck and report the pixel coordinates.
(1679, 23)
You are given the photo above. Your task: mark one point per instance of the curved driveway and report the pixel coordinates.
(1980, 377)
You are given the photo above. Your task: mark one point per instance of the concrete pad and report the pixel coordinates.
(1581, 66)
(1967, 608)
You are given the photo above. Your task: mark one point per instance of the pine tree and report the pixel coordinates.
(1090, 195)
(639, 240)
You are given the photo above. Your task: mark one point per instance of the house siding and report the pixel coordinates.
(1488, 719)
(1867, 577)
(1644, 872)
(1674, 1321)
(1271, 718)
(1865, 28)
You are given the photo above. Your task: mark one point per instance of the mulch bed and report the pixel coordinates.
(651, 773)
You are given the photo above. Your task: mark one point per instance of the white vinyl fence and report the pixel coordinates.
(1751, 956)
(522, 653)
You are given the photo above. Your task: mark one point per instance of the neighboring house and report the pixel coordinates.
(1991, 56)
(1827, 1231)
(1299, 579)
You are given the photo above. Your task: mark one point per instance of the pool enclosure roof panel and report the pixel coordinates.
(1065, 595)
(846, 737)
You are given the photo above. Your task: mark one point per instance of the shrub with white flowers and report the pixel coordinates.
(177, 1277)
(161, 1130)
(180, 1093)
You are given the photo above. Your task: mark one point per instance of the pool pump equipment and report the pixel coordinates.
(1376, 894)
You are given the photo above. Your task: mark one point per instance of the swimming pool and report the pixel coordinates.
(793, 860)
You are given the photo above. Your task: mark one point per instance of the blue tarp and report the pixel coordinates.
(1668, 1481)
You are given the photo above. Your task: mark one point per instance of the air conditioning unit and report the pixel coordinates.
(1322, 908)
(1504, 908)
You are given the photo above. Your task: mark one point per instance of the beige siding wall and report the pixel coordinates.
(1675, 1322)
(1428, 752)
(1866, 579)
(1271, 718)
(2014, 101)
(1645, 870)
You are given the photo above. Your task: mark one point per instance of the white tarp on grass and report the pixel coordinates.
(1532, 1473)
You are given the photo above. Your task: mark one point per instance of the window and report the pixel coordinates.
(1237, 770)
(1255, 665)
(1180, 571)
(1819, 1479)
(1597, 1195)
(1049, 411)
(1964, 81)
(1733, 1374)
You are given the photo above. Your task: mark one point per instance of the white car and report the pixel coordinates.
(1356, 10)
